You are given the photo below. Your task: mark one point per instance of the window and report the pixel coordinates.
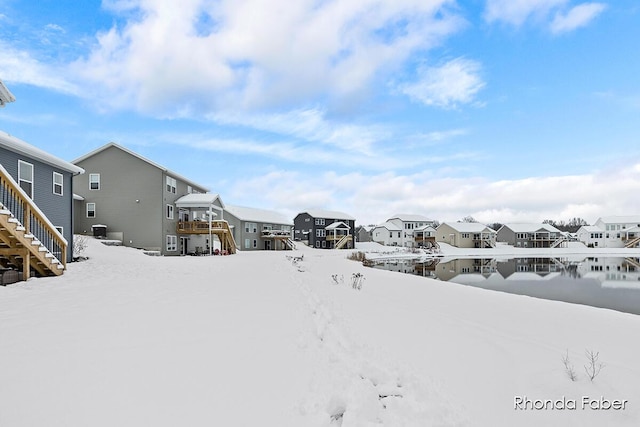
(321, 233)
(60, 230)
(255, 243)
(251, 227)
(91, 210)
(319, 221)
(169, 211)
(171, 185)
(58, 183)
(25, 177)
(247, 243)
(172, 243)
(465, 235)
(94, 181)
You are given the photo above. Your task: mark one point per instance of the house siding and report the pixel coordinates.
(132, 200)
(304, 222)
(58, 209)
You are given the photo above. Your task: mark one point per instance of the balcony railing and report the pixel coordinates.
(201, 227)
(283, 234)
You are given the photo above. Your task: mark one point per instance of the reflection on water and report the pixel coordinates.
(606, 282)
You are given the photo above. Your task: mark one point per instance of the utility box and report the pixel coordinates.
(99, 231)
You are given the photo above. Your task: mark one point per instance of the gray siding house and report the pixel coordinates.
(135, 199)
(259, 229)
(44, 203)
(527, 235)
(325, 229)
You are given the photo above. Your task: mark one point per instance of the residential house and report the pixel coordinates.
(408, 223)
(36, 216)
(388, 234)
(526, 235)
(425, 237)
(363, 233)
(147, 206)
(591, 236)
(620, 231)
(466, 235)
(259, 229)
(325, 229)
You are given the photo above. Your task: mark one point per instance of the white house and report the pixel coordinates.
(591, 235)
(388, 234)
(407, 224)
(620, 231)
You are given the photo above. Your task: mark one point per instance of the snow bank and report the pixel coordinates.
(262, 338)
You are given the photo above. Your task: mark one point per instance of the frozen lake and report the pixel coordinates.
(600, 281)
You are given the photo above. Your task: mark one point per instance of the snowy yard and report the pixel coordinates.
(259, 339)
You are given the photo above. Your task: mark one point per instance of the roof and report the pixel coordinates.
(620, 219)
(530, 227)
(320, 213)
(5, 95)
(410, 218)
(389, 226)
(17, 145)
(337, 225)
(144, 159)
(424, 228)
(198, 200)
(468, 227)
(258, 215)
(591, 229)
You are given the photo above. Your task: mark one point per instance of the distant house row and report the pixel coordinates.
(418, 231)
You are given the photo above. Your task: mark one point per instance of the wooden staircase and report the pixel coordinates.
(632, 243)
(28, 241)
(343, 241)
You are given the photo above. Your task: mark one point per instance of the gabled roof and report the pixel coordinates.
(389, 226)
(144, 159)
(320, 213)
(258, 215)
(468, 227)
(410, 218)
(620, 219)
(530, 227)
(17, 145)
(337, 225)
(198, 200)
(425, 228)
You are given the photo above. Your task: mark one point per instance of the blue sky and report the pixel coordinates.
(501, 109)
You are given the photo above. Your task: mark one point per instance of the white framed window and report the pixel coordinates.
(171, 185)
(172, 243)
(58, 183)
(321, 233)
(25, 177)
(251, 227)
(91, 210)
(170, 210)
(247, 243)
(255, 243)
(94, 181)
(319, 221)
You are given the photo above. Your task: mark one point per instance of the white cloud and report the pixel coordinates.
(20, 67)
(516, 12)
(206, 55)
(373, 198)
(456, 82)
(576, 17)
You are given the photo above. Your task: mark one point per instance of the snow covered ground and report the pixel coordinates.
(261, 339)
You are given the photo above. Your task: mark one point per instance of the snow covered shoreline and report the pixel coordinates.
(262, 339)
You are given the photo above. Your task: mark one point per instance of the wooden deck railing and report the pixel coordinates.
(14, 199)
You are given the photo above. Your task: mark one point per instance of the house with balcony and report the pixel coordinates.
(363, 233)
(425, 237)
(466, 235)
(620, 231)
(259, 229)
(407, 224)
(148, 206)
(527, 235)
(36, 209)
(325, 229)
